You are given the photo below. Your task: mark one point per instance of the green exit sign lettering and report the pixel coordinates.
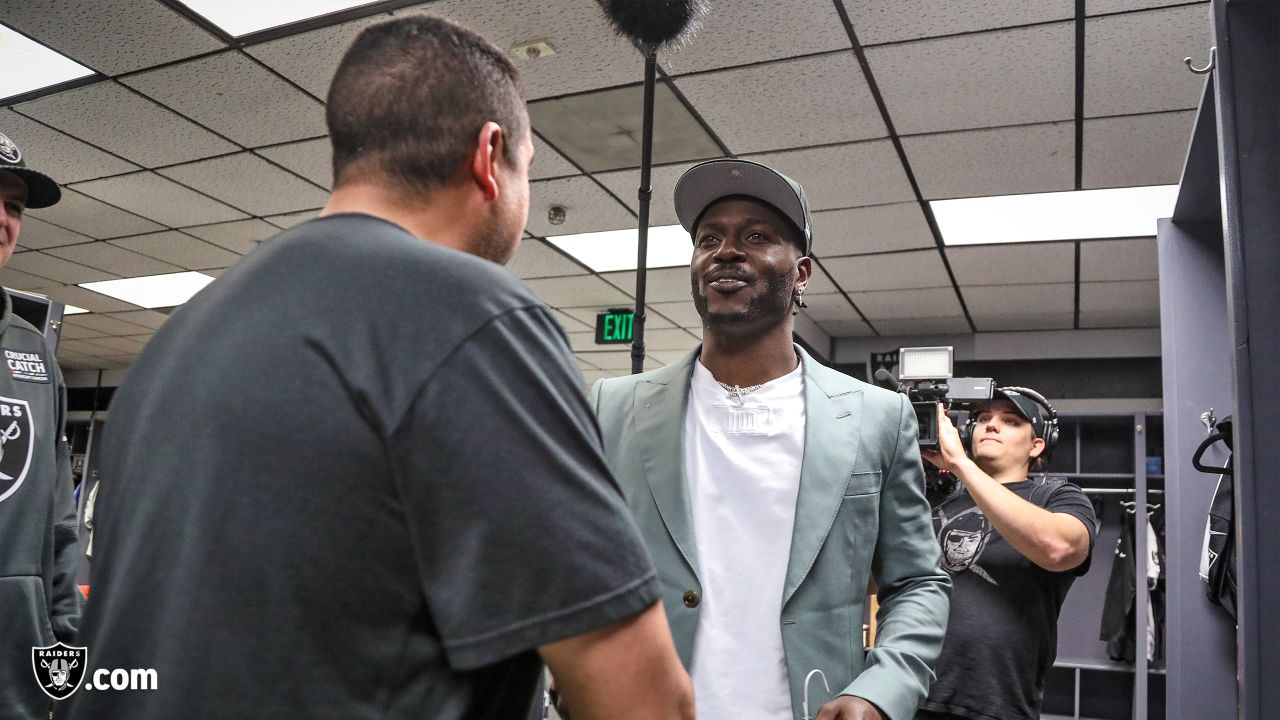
(614, 327)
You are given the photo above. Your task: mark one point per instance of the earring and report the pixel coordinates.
(798, 299)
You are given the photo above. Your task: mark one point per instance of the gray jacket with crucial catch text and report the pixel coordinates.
(39, 600)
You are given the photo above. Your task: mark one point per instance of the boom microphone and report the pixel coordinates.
(650, 24)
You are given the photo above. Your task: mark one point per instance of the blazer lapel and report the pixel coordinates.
(660, 403)
(833, 427)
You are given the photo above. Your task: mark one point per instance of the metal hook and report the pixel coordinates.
(1208, 419)
(1213, 62)
(807, 716)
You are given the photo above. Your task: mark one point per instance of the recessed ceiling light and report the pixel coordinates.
(613, 250)
(1076, 215)
(28, 65)
(153, 291)
(241, 17)
(73, 310)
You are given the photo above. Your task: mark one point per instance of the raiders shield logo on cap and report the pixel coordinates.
(16, 442)
(59, 668)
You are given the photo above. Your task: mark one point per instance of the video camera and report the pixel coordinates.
(924, 376)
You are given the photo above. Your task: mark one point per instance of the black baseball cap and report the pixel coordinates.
(42, 191)
(1027, 409)
(713, 180)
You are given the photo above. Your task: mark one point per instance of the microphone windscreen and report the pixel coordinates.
(654, 23)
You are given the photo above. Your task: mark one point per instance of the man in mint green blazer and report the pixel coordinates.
(773, 491)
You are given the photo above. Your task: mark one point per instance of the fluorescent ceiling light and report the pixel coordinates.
(241, 17)
(27, 65)
(613, 250)
(73, 310)
(1076, 215)
(153, 291)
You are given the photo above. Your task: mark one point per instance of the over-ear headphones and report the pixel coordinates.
(1049, 433)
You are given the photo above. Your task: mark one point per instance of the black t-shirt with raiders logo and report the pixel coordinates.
(1002, 635)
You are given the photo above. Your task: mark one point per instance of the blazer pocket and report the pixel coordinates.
(863, 483)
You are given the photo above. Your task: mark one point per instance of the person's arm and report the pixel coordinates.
(914, 593)
(1056, 542)
(623, 671)
(64, 610)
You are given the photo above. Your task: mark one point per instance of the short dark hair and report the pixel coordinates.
(409, 98)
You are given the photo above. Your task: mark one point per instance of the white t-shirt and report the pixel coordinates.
(742, 464)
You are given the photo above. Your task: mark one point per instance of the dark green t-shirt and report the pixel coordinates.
(356, 477)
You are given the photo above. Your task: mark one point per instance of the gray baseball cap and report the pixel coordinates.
(42, 191)
(710, 181)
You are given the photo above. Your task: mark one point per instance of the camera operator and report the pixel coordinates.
(1013, 545)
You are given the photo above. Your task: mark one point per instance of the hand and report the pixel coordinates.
(950, 452)
(849, 707)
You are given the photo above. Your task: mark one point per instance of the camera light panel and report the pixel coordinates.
(925, 363)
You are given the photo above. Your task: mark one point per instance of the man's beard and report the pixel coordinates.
(773, 304)
(493, 240)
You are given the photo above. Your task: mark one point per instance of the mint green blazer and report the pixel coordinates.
(860, 514)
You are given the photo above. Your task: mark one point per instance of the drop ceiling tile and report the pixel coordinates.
(537, 259)
(578, 291)
(793, 103)
(583, 342)
(619, 360)
(1006, 77)
(1115, 297)
(1133, 62)
(759, 30)
(881, 21)
(216, 92)
(107, 324)
(310, 58)
(588, 53)
(37, 235)
(846, 328)
(1021, 263)
(924, 326)
(1136, 150)
(250, 183)
(60, 156)
(590, 209)
(288, 220)
(179, 249)
(123, 122)
(76, 332)
(1024, 321)
(666, 357)
(130, 345)
(548, 163)
(602, 130)
(585, 317)
(19, 280)
(83, 347)
(152, 196)
(87, 299)
(1118, 260)
(593, 376)
(661, 285)
(902, 304)
(1102, 7)
(1005, 300)
(1120, 319)
(114, 37)
(682, 313)
(146, 318)
(879, 228)
(240, 236)
(626, 183)
(1001, 161)
(87, 216)
(312, 159)
(865, 173)
(828, 307)
(672, 339)
(39, 264)
(570, 323)
(891, 271)
(109, 258)
(819, 283)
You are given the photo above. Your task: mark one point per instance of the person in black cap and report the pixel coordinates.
(1013, 546)
(39, 601)
(771, 489)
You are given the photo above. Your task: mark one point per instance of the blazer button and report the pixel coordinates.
(691, 599)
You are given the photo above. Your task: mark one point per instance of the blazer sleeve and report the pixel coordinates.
(914, 591)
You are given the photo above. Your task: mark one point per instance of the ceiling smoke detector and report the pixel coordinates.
(533, 50)
(556, 214)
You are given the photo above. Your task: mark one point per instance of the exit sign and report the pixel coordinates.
(614, 327)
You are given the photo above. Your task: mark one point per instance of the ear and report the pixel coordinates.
(1037, 448)
(486, 156)
(804, 270)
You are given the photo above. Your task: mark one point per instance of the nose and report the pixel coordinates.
(728, 250)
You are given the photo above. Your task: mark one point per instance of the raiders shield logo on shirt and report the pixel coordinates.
(16, 441)
(59, 668)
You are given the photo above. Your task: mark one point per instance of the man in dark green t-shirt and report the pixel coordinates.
(357, 476)
(1013, 545)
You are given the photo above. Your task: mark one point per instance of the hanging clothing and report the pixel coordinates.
(1117, 627)
(1218, 555)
